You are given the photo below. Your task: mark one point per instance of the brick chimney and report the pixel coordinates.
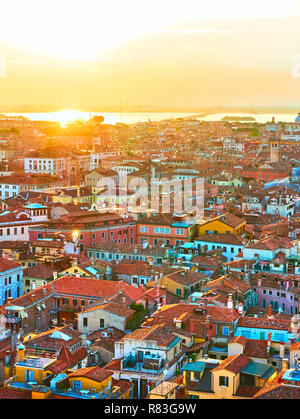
(282, 350)
(285, 364)
(230, 302)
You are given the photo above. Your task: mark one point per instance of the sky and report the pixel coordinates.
(160, 53)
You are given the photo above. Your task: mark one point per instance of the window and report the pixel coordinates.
(101, 323)
(225, 331)
(74, 302)
(82, 302)
(65, 301)
(180, 231)
(223, 381)
(162, 230)
(85, 321)
(178, 291)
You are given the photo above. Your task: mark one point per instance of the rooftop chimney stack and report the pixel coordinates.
(285, 364)
(230, 302)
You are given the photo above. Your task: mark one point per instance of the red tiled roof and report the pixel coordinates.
(124, 385)
(256, 348)
(234, 363)
(114, 365)
(6, 393)
(6, 265)
(272, 243)
(264, 323)
(93, 373)
(66, 359)
(247, 391)
(233, 239)
(275, 389)
(238, 339)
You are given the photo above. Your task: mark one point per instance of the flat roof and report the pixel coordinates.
(197, 366)
(292, 375)
(258, 369)
(164, 388)
(14, 308)
(32, 362)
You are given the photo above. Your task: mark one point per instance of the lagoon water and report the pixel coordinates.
(134, 117)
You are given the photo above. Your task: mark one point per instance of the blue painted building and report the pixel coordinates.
(11, 280)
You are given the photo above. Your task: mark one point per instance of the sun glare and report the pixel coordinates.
(66, 116)
(84, 31)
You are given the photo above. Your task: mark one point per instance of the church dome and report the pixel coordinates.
(298, 118)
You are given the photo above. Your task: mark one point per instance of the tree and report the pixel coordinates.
(98, 119)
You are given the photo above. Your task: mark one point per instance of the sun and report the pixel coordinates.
(66, 116)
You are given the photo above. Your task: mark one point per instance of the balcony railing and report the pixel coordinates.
(131, 365)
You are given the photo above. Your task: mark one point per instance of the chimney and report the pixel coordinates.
(9, 301)
(285, 364)
(240, 308)
(282, 350)
(13, 340)
(230, 302)
(152, 172)
(7, 357)
(269, 342)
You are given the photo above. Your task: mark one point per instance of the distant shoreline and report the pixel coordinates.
(196, 111)
(238, 119)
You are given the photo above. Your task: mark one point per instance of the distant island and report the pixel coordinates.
(238, 118)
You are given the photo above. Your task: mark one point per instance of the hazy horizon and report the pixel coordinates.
(155, 54)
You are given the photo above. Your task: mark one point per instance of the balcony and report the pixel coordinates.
(82, 394)
(12, 383)
(151, 364)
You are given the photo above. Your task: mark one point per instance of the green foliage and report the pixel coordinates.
(139, 308)
(138, 317)
(12, 130)
(98, 119)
